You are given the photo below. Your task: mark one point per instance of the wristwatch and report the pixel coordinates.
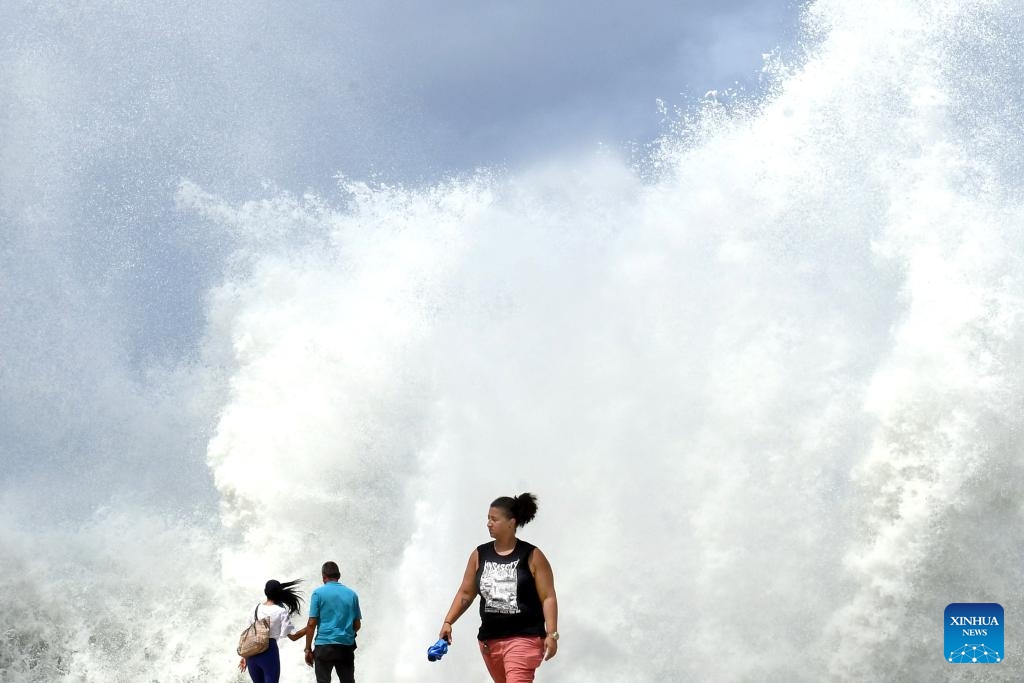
(553, 634)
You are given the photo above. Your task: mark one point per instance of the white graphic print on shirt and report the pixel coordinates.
(498, 587)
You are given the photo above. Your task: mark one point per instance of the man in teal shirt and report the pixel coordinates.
(335, 617)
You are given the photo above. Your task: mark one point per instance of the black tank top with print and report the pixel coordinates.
(509, 603)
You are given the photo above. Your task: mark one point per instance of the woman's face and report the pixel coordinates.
(499, 524)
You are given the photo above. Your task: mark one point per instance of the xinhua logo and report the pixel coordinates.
(974, 633)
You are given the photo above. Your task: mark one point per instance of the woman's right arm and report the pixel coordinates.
(463, 597)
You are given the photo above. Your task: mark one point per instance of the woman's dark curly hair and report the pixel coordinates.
(522, 508)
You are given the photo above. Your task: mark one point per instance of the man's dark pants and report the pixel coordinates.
(340, 658)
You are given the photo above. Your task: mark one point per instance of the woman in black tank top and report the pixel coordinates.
(518, 607)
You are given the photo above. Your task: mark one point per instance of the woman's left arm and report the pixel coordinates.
(545, 580)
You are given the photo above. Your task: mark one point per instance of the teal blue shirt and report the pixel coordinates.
(335, 607)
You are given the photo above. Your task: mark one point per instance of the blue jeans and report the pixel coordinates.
(266, 666)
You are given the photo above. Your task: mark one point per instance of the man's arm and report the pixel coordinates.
(310, 630)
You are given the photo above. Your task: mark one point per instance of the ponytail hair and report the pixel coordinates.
(284, 594)
(522, 508)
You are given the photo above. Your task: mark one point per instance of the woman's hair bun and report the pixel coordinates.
(524, 508)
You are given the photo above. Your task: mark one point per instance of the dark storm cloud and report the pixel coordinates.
(501, 81)
(106, 106)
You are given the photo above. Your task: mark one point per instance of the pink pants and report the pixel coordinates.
(512, 660)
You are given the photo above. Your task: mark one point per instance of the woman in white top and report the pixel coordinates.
(283, 600)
